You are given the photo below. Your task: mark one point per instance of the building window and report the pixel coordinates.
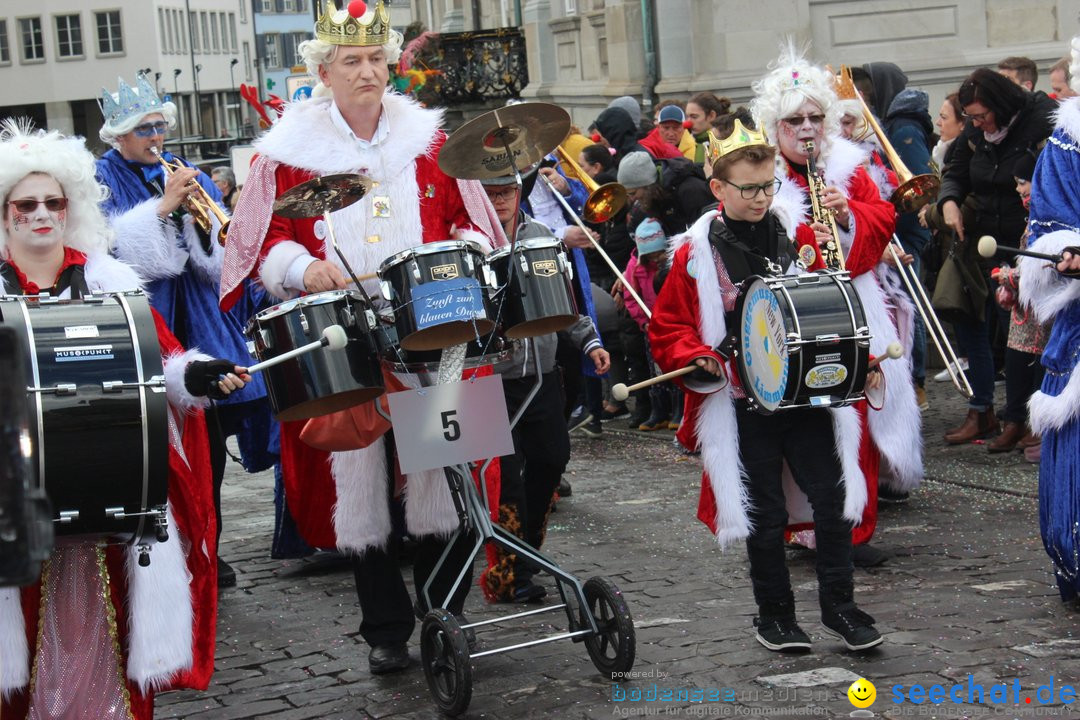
(232, 31)
(5, 51)
(69, 42)
(214, 33)
(571, 7)
(266, 6)
(247, 61)
(33, 45)
(288, 6)
(243, 10)
(223, 23)
(166, 37)
(271, 50)
(182, 37)
(205, 33)
(193, 31)
(110, 36)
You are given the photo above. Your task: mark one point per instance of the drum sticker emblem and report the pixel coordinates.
(83, 352)
(826, 376)
(74, 332)
(320, 229)
(544, 268)
(445, 272)
(457, 300)
(764, 346)
(380, 206)
(830, 358)
(808, 255)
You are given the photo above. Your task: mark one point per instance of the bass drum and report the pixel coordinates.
(98, 412)
(803, 341)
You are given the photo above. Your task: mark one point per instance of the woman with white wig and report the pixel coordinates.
(98, 634)
(796, 105)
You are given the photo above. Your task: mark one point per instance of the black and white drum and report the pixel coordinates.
(437, 293)
(803, 341)
(98, 412)
(533, 293)
(323, 381)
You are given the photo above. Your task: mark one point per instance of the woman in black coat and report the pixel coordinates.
(1003, 123)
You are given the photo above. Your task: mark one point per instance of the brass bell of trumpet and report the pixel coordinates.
(605, 201)
(200, 206)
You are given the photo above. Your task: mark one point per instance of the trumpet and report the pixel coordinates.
(202, 206)
(832, 253)
(605, 201)
(914, 192)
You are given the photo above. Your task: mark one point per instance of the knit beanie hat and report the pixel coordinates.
(637, 170)
(1025, 166)
(630, 105)
(649, 237)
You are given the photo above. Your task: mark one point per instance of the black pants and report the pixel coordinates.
(386, 609)
(803, 437)
(530, 476)
(1023, 376)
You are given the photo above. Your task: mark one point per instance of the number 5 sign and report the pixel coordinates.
(450, 424)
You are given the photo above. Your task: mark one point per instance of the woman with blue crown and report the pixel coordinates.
(180, 262)
(1054, 292)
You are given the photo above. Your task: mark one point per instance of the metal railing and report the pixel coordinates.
(476, 66)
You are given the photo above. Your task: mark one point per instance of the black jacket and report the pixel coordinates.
(614, 238)
(985, 171)
(618, 128)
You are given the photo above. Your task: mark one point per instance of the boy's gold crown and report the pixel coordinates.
(740, 137)
(353, 31)
(844, 85)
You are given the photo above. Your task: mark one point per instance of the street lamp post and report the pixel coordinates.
(179, 108)
(233, 99)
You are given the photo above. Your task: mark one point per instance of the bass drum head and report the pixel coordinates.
(540, 326)
(763, 352)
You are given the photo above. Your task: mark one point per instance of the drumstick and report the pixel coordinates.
(362, 278)
(334, 337)
(893, 351)
(620, 391)
(988, 247)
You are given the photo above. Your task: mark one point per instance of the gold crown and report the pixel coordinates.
(352, 31)
(844, 85)
(740, 137)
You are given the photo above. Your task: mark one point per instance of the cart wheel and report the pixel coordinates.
(612, 648)
(445, 655)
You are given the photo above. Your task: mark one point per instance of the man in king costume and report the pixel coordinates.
(352, 124)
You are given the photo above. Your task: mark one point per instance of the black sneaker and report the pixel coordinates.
(618, 413)
(592, 428)
(579, 417)
(781, 635)
(564, 488)
(853, 626)
(529, 592)
(886, 494)
(226, 576)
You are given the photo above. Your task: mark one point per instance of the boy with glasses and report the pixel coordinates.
(743, 452)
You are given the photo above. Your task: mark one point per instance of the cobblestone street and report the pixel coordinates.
(966, 591)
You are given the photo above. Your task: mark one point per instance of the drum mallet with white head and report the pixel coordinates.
(893, 351)
(620, 392)
(333, 337)
(988, 247)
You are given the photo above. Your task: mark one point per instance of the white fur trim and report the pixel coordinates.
(1050, 412)
(161, 616)
(470, 235)
(897, 428)
(105, 273)
(791, 205)
(207, 267)
(175, 391)
(360, 517)
(1043, 288)
(1067, 118)
(14, 652)
(844, 159)
(148, 243)
(275, 268)
(881, 180)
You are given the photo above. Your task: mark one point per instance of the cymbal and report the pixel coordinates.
(477, 151)
(322, 195)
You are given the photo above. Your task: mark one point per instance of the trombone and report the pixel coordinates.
(202, 206)
(913, 192)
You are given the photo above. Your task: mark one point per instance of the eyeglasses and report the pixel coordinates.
(977, 117)
(506, 195)
(28, 205)
(150, 129)
(749, 192)
(797, 121)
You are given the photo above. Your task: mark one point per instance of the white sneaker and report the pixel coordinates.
(943, 376)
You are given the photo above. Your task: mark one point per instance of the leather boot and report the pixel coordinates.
(1028, 440)
(976, 425)
(1007, 440)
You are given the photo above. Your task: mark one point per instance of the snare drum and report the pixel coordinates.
(437, 294)
(537, 297)
(803, 341)
(323, 381)
(98, 411)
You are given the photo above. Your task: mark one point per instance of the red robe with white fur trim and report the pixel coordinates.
(339, 499)
(894, 435)
(165, 614)
(688, 321)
